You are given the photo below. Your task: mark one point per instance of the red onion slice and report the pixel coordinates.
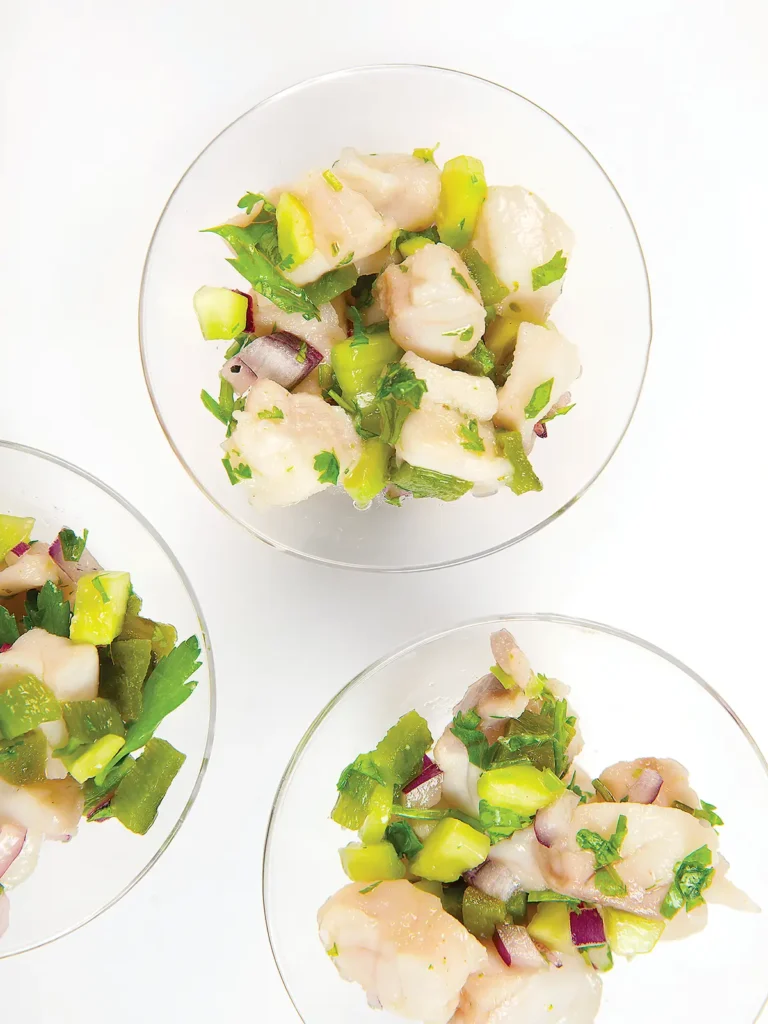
(587, 928)
(516, 947)
(428, 771)
(540, 429)
(4, 648)
(646, 787)
(236, 373)
(550, 955)
(73, 570)
(552, 821)
(282, 357)
(11, 841)
(495, 879)
(20, 549)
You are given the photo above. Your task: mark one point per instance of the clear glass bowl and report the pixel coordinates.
(605, 307)
(633, 700)
(76, 881)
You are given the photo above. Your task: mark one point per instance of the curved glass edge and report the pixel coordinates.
(63, 464)
(426, 638)
(427, 567)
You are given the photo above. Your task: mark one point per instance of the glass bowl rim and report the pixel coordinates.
(421, 640)
(363, 567)
(206, 650)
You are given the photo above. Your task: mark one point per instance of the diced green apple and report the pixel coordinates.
(551, 925)
(221, 312)
(13, 531)
(375, 863)
(101, 599)
(452, 848)
(359, 367)
(629, 934)
(520, 788)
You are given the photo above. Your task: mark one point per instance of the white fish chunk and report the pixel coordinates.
(432, 304)
(281, 452)
(511, 659)
(620, 777)
(433, 438)
(474, 396)
(323, 334)
(521, 855)
(70, 670)
(401, 187)
(541, 354)
(397, 942)
(26, 862)
(33, 569)
(460, 776)
(343, 222)
(53, 808)
(517, 232)
(505, 995)
(492, 701)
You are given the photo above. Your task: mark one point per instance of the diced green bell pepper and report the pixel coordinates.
(482, 913)
(520, 788)
(428, 483)
(517, 906)
(450, 850)
(453, 899)
(491, 289)
(433, 888)
(14, 530)
(89, 720)
(141, 792)
(523, 476)
(462, 193)
(26, 704)
(101, 599)
(22, 759)
(123, 669)
(375, 863)
(371, 472)
(400, 754)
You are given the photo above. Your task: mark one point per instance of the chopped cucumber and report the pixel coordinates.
(94, 759)
(358, 367)
(379, 809)
(482, 913)
(24, 705)
(629, 934)
(517, 906)
(22, 760)
(140, 793)
(520, 788)
(371, 472)
(89, 720)
(100, 602)
(13, 531)
(295, 234)
(450, 850)
(123, 669)
(462, 194)
(551, 925)
(433, 888)
(523, 477)
(221, 312)
(374, 863)
(400, 755)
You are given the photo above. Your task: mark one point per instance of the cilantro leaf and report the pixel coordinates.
(549, 272)
(463, 333)
(461, 279)
(9, 631)
(574, 788)
(426, 154)
(362, 765)
(261, 271)
(466, 727)
(602, 790)
(331, 285)
(213, 406)
(539, 399)
(233, 478)
(428, 483)
(472, 442)
(500, 823)
(558, 412)
(369, 888)
(333, 181)
(609, 882)
(362, 291)
(250, 199)
(301, 355)
(99, 587)
(563, 732)
(403, 838)
(480, 361)
(166, 689)
(606, 851)
(327, 467)
(72, 546)
(271, 414)
(692, 876)
(403, 384)
(707, 812)
(347, 260)
(359, 335)
(47, 609)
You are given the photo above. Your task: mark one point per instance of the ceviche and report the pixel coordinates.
(395, 337)
(494, 881)
(85, 681)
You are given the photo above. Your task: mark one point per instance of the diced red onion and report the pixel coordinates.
(550, 955)
(552, 821)
(515, 946)
(5, 913)
(587, 928)
(249, 322)
(4, 648)
(600, 957)
(11, 841)
(470, 876)
(646, 787)
(73, 570)
(20, 549)
(495, 879)
(540, 429)
(236, 373)
(274, 357)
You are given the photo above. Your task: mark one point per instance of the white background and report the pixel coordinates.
(104, 106)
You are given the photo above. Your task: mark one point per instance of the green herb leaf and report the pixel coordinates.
(213, 406)
(362, 765)
(426, 154)
(47, 609)
(499, 823)
(369, 888)
(461, 279)
(403, 838)
(602, 790)
(606, 851)
(539, 399)
(166, 689)
(480, 361)
(548, 896)
(707, 812)
(333, 951)
(271, 414)
(237, 345)
(558, 412)
(362, 291)
(301, 355)
(491, 289)
(427, 483)
(472, 442)
(692, 876)
(347, 259)
(574, 788)
(72, 546)
(609, 882)
(522, 478)
(331, 285)
(403, 384)
(549, 272)
(327, 467)
(99, 587)
(233, 477)
(333, 181)
(466, 727)
(250, 199)
(359, 336)
(562, 735)
(9, 631)
(463, 333)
